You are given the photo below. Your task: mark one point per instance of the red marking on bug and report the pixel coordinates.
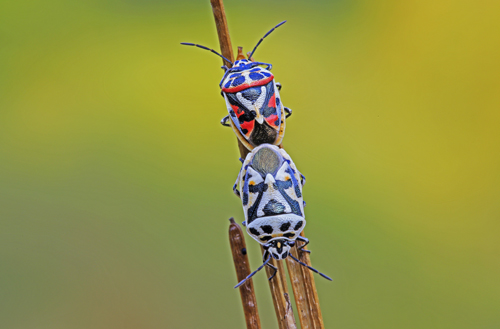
(248, 85)
(237, 110)
(272, 101)
(271, 120)
(248, 125)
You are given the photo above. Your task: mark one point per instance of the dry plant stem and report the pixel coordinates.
(222, 31)
(242, 267)
(299, 291)
(225, 46)
(310, 290)
(279, 293)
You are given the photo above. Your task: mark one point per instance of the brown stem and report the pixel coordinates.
(310, 289)
(279, 293)
(242, 267)
(299, 291)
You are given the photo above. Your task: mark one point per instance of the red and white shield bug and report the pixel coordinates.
(256, 112)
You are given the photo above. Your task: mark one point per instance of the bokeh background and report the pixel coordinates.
(115, 174)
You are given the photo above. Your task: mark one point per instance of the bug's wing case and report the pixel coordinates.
(236, 128)
(247, 173)
(235, 124)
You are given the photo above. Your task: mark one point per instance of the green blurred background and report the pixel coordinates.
(115, 174)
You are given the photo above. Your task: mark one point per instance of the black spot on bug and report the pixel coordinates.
(273, 207)
(254, 231)
(278, 101)
(275, 255)
(266, 238)
(244, 251)
(244, 131)
(245, 198)
(289, 235)
(285, 255)
(285, 226)
(267, 229)
(298, 225)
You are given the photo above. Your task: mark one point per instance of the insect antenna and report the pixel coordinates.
(311, 268)
(253, 273)
(203, 47)
(258, 43)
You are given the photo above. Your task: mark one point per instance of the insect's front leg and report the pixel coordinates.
(275, 270)
(306, 242)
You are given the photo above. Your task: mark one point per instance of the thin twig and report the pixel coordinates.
(299, 291)
(311, 292)
(242, 267)
(225, 47)
(279, 293)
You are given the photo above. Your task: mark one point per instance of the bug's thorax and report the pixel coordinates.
(245, 74)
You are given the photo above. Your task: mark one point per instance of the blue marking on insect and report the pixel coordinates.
(256, 76)
(238, 81)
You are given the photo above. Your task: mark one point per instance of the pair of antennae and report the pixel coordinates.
(289, 255)
(227, 60)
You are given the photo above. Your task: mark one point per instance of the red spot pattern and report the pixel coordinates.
(271, 120)
(272, 101)
(237, 110)
(248, 125)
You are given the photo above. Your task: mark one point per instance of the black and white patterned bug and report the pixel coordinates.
(271, 194)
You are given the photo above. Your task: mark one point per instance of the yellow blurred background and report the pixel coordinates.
(116, 176)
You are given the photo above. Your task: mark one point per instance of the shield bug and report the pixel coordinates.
(271, 194)
(256, 112)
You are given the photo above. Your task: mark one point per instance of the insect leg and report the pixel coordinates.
(288, 112)
(254, 272)
(235, 190)
(311, 268)
(224, 121)
(278, 85)
(306, 242)
(275, 270)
